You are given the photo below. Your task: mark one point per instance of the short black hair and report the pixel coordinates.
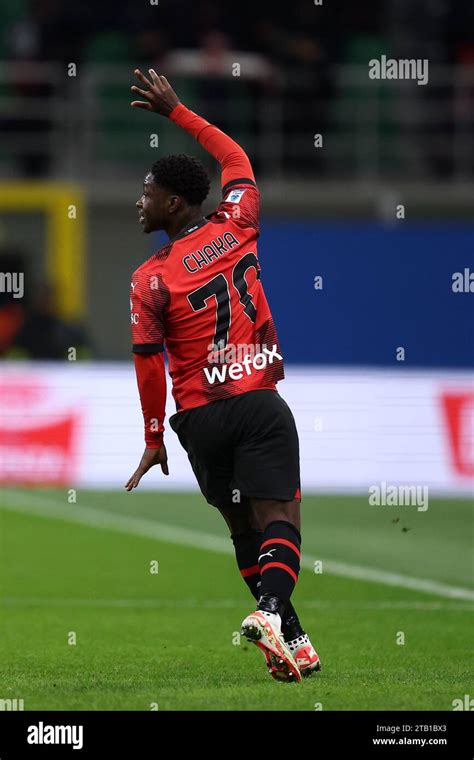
(183, 175)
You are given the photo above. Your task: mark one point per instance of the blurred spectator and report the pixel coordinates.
(37, 37)
(30, 327)
(12, 310)
(44, 335)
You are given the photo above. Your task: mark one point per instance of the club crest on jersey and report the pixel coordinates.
(234, 196)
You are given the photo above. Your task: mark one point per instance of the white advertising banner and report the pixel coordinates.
(80, 424)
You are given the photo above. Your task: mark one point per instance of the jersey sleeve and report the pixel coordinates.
(241, 198)
(151, 381)
(241, 203)
(149, 299)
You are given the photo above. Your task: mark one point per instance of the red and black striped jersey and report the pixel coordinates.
(201, 298)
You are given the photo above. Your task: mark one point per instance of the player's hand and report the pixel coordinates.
(150, 457)
(159, 95)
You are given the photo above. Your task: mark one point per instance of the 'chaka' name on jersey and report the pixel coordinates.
(212, 250)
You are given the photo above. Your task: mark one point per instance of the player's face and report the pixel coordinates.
(153, 206)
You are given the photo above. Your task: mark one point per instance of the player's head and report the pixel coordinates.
(176, 186)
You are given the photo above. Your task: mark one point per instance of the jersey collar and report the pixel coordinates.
(196, 225)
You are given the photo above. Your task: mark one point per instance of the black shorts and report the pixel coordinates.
(242, 447)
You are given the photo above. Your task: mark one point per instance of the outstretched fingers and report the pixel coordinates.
(143, 93)
(139, 74)
(141, 104)
(160, 81)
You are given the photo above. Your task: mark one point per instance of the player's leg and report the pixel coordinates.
(247, 536)
(243, 523)
(280, 550)
(247, 550)
(279, 569)
(206, 433)
(279, 564)
(267, 470)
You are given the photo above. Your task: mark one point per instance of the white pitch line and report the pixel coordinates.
(31, 503)
(157, 603)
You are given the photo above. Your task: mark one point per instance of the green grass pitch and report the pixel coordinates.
(168, 640)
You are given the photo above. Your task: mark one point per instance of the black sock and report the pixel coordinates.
(279, 560)
(247, 549)
(247, 546)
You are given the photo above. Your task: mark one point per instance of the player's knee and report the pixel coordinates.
(268, 511)
(238, 520)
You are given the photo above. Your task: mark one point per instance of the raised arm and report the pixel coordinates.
(161, 98)
(235, 164)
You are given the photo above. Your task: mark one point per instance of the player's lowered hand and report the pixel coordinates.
(150, 457)
(159, 95)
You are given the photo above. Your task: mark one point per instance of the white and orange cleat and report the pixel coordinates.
(305, 655)
(264, 629)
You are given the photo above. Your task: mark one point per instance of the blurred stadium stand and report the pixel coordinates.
(303, 71)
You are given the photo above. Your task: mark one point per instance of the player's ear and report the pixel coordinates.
(174, 203)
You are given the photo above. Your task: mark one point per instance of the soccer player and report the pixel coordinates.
(201, 296)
